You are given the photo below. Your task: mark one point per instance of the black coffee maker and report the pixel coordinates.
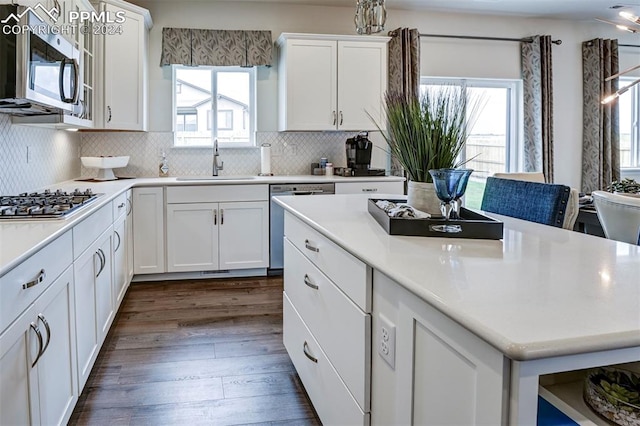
(359, 150)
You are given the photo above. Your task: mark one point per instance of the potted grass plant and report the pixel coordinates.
(427, 133)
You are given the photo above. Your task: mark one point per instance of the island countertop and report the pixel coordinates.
(539, 292)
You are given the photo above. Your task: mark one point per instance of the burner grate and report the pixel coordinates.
(44, 205)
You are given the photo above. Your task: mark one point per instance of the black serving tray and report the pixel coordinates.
(470, 224)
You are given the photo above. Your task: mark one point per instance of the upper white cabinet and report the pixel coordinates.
(122, 67)
(331, 82)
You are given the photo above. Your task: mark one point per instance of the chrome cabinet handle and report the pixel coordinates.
(39, 278)
(129, 207)
(308, 282)
(35, 328)
(215, 216)
(119, 241)
(221, 216)
(341, 118)
(121, 205)
(305, 348)
(109, 111)
(335, 118)
(46, 327)
(103, 261)
(310, 247)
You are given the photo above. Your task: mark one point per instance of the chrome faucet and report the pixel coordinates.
(216, 157)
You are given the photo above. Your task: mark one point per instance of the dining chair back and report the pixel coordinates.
(538, 202)
(619, 216)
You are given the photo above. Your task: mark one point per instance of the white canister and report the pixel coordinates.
(265, 159)
(328, 170)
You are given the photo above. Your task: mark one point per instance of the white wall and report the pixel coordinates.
(440, 57)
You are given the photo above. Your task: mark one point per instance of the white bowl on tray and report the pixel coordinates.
(105, 165)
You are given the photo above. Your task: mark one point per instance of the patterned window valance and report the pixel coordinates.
(185, 46)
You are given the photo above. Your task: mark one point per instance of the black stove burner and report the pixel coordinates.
(44, 205)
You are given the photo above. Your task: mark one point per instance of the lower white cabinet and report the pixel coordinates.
(148, 230)
(244, 235)
(120, 267)
(94, 301)
(129, 235)
(37, 360)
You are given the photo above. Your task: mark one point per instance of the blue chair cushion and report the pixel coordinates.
(533, 201)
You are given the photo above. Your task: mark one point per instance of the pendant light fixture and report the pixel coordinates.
(371, 16)
(636, 20)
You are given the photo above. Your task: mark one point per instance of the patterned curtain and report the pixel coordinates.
(600, 133)
(404, 62)
(537, 81)
(216, 47)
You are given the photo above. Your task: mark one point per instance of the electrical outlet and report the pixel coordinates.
(387, 341)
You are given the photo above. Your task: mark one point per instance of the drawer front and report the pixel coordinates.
(52, 259)
(216, 193)
(351, 275)
(370, 187)
(119, 205)
(338, 325)
(89, 229)
(329, 396)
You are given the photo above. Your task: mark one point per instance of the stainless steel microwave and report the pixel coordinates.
(39, 71)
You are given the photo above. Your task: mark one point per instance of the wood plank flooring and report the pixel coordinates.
(196, 352)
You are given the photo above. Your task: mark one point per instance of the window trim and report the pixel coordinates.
(634, 92)
(515, 146)
(252, 72)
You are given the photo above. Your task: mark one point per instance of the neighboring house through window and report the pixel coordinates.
(214, 103)
(494, 140)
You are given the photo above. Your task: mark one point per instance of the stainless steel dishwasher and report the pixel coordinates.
(276, 226)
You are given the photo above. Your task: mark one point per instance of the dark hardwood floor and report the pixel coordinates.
(196, 352)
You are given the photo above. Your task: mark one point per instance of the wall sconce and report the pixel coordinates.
(371, 16)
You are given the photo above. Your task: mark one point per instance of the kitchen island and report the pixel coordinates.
(489, 321)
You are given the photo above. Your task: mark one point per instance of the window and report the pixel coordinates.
(629, 104)
(493, 143)
(214, 103)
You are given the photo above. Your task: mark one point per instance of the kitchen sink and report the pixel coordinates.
(214, 178)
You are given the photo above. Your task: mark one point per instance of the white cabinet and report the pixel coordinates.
(37, 360)
(331, 82)
(373, 187)
(120, 267)
(123, 68)
(210, 236)
(148, 230)
(129, 235)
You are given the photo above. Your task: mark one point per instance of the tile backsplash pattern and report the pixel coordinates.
(291, 153)
(52, 157)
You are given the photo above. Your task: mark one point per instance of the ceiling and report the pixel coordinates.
(559, 9)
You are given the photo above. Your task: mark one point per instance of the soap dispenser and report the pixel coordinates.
(164, 166)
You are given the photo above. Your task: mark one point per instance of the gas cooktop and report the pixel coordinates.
(44, 205)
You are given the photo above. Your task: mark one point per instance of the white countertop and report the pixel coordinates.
(539, 292)
(19, 239)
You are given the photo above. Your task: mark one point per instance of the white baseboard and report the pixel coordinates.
(172, 276)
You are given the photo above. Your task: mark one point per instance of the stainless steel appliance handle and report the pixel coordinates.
(46, 327)
(308, 282)
(305, 348)
(39, 278)
(63, 66)
(308, 246)
(35, 328)
(310, 192)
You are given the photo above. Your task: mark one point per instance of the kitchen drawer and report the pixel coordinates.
(89, 229)
(338, 325)
(119, 205)
(52, 259)
(216, 193)
(329, 396)
(370, 187)
(351, 275)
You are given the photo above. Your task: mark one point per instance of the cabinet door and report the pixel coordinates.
(120, 267)
(104, 287)
(124, 73)
(57, 381)
(309, 81)
(362, 82)
(19, 384)
(148, 231)
(192, 237)
(244, 235)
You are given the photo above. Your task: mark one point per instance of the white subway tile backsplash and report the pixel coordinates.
(35, 157)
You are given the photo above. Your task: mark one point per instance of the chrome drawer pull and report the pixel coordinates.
(46, 327)
(121, 205)
(308, 282)
(305, 347)
(35, 328)
(310, 247)
(41, 276)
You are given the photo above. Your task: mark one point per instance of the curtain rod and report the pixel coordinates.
(525, 40)
(629, 45)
